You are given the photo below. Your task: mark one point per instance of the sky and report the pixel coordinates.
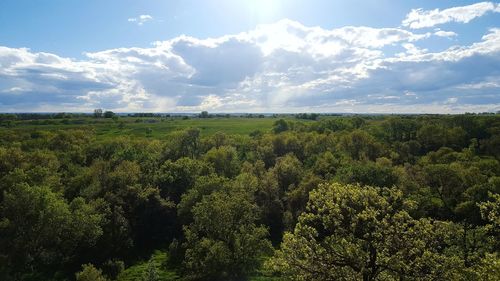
(371, 56)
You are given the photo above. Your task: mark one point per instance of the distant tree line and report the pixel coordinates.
(155, 115)
(38, 116)
(99, 113)
(307, 116)
(205, 114)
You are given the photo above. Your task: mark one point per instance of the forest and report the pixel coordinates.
(264, 198)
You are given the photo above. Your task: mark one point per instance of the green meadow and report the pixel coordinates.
(155, 128)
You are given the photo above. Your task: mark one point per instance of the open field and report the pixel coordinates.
(155, 128)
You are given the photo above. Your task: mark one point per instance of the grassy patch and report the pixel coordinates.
(264, 278)
(135, 272)
(154, 128)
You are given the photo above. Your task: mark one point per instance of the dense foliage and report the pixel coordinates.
(312, 198)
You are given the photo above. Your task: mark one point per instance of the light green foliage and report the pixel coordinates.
(185, 143)
(360, 145)
(204, 185)
(351, 232)
(488, 269)
(326, 165)
(151, 273)
(288, 171)
(90, 273)
(224, 160)
(155, 267)
(490, 210)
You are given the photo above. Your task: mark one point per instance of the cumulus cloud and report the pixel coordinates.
(140, 20)
(420, 18)
(280, 67)
(447, 34)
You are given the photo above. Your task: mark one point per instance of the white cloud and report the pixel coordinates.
(488, 83)
(442, 33)
(281, 67)
(140, 20)
(411, 49)
(14, 90)
(451, 100)
(419, 18)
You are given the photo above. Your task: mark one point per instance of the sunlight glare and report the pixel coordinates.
(263, 9)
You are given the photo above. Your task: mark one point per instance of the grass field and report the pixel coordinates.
(147, 127)
(136, 272)
(159, 260)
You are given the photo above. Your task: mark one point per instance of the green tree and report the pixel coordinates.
(326, 165)
(98, 113)
(488, 269)
(151, 273)
(38, 229)
(204, 185)
(224, 242)
(367, 173)
(288, 171)
(175, 178)
(360, 145)
(90, 273)
(224, 160)
(490, 210)
(280, 126)
(183, 143)
(109, 114)
(204, 114)
(351, 232)
(434, 136)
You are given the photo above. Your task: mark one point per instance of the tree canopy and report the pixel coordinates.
(309, 197)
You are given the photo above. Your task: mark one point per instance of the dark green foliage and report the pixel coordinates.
(367, 173)
(39, 230)
(310, 116)
(280, 126)
(223, 242)
(98, 113)
(109, 114)
(113, 268)
(175, 178)
(204, 114)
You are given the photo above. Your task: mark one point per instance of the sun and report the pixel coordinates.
(263, 9)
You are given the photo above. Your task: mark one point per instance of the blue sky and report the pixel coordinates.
(253, 56)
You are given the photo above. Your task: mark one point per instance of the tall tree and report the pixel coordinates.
(351, 232)
(224, 242)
